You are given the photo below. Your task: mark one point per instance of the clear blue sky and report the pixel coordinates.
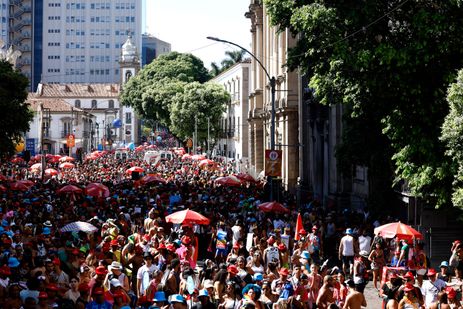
(185, 24)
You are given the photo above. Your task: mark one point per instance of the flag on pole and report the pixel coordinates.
(299, 226)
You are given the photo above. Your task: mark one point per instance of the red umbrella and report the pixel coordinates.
(66, 165)
(140, 148)
(18, 186)
(54, 159)
(228, 181)
(69, 189)
(186, 156)
(26, 182)
(273, 207)
(36, 166)
(66, 159)
(245, 177)
(51, 172)
(97, 190)
(399, 229)
(152, 179)
(206, 162)
(135, 169)
(187, 217)
(17, 160)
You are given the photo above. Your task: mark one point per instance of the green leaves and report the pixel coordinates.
(16, 116)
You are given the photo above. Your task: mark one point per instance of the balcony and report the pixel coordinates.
(23, 23)
(21, 10)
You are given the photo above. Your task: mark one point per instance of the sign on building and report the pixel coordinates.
(273, 163)
(30, 145)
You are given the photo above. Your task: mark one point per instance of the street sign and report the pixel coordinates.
(189, 143)
(71, 140)
(30, 145)
(273, 163)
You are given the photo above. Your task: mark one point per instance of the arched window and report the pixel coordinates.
(77, 103)
(94, 104)
(111, 104)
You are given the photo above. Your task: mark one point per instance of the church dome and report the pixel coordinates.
(129, 51)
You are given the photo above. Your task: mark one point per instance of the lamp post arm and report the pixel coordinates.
(241, 47)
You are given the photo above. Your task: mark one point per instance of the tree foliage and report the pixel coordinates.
(391, 63)
(233, 57)
(16, 116)
(198, 101)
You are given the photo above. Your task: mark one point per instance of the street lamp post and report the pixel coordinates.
(272, 82)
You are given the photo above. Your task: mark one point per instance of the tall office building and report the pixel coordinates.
(72, 41)
(4, 21)
(152, 47)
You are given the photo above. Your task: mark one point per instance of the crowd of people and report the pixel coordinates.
(244, 258)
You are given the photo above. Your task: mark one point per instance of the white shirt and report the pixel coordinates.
(144, 274)
(431, 289)
(348, 245)
(236, 229)
(365, 243)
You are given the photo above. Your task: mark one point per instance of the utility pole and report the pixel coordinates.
(72, 129)
(195, 139)
(208, 119)
(42, 158)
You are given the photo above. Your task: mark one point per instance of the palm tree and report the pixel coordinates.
(215, 69)
(234, 56)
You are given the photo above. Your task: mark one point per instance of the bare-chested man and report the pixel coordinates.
(355, 299)
(325, 296)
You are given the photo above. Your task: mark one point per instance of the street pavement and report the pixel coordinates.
(371, 296)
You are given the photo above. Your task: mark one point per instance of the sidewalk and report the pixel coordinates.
(371, 295)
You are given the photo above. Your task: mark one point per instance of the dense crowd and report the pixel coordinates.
(244, 258)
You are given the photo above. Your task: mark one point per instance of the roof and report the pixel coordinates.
(55, 105)
(78, 90)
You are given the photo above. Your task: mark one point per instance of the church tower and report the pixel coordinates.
(129, 66)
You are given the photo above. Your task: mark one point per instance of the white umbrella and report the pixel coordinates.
(79, 226)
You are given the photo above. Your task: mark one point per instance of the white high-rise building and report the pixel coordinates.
(82, 40)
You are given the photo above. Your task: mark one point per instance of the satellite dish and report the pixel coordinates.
(117, 123)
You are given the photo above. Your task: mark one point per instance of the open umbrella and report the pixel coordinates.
(186, 156)
(17, 160)
(66, 159)
(152, 179)
(51, 172)
(198, 157)
(97, 189)
(228, 181)
(273, 207)
(36, 166)
(135, 169)
(69, 189)
(399, 229)
(66, 165)
(79, 226)
(206, 162)
(19, 186)
(245, 177)
(187, 217)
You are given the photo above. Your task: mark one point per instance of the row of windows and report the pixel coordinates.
(124, 19)
(75, 72)
(54, 57)
(54, 44)
(100, 6)
(75, 19)
(100, 59)
(54, 5)
(75, 6)
(54, 30)
(53, 70)
(124, 6)
(77, 103)
(54, 17)
(98, 32)
(99, 72)
(73, 45)
(99, 45)
(80, 58)
(75, 32)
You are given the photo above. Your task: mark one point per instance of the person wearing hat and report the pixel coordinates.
(347, 251)
(452, 297)
(314, 244)
(84, 290)
(58, 275)
(159, 299)
(443, 274)
(116, 250)
(432, 287)
(271, 254)
(145, 273)
(43, 300)
(409, 300)
(205, 300)
(360, 273)
(177, 301)
(98, 300)
(278, 285)
(115, 272)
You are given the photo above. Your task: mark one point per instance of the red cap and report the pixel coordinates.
(114, 242)
(43, 295)
(52, 287)
(106, 247)
(161, 246)
(146, 237)
(186, 240)
(171, 247)
(5, 270)
(56, 261)
(236, 246)
(302, 232)
(431, 272)
(409, 275)
(271, 240)
(232, 269)
(98, 291)
(451, 293)
(409, 287)
(284, 271)
(101, 270)
(314, 228)
(138, 249)
(7, 241)
(118, 294)
(75, 252)
(282, 247)
(84, 287)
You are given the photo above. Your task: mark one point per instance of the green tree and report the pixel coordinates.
(151, 91)
(234, 56)
(391, 63)
(198, 101)
(14, 122)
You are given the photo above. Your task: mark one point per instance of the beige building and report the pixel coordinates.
(271, 49)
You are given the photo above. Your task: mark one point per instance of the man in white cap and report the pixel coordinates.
(347, 251)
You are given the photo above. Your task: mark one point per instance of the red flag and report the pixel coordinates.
(299, 226)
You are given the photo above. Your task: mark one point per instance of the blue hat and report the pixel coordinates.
(444, 264)
(349, 231)
(159, 296)
(5, 223)
(178, 242)
(13, 262)
(305, 255)
(258, 277)
(203, 292)
(177, 298)
(46, 231)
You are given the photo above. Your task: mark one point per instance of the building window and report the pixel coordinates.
(111, 104)
(94, 104)
(77, 103)
(128, 118)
